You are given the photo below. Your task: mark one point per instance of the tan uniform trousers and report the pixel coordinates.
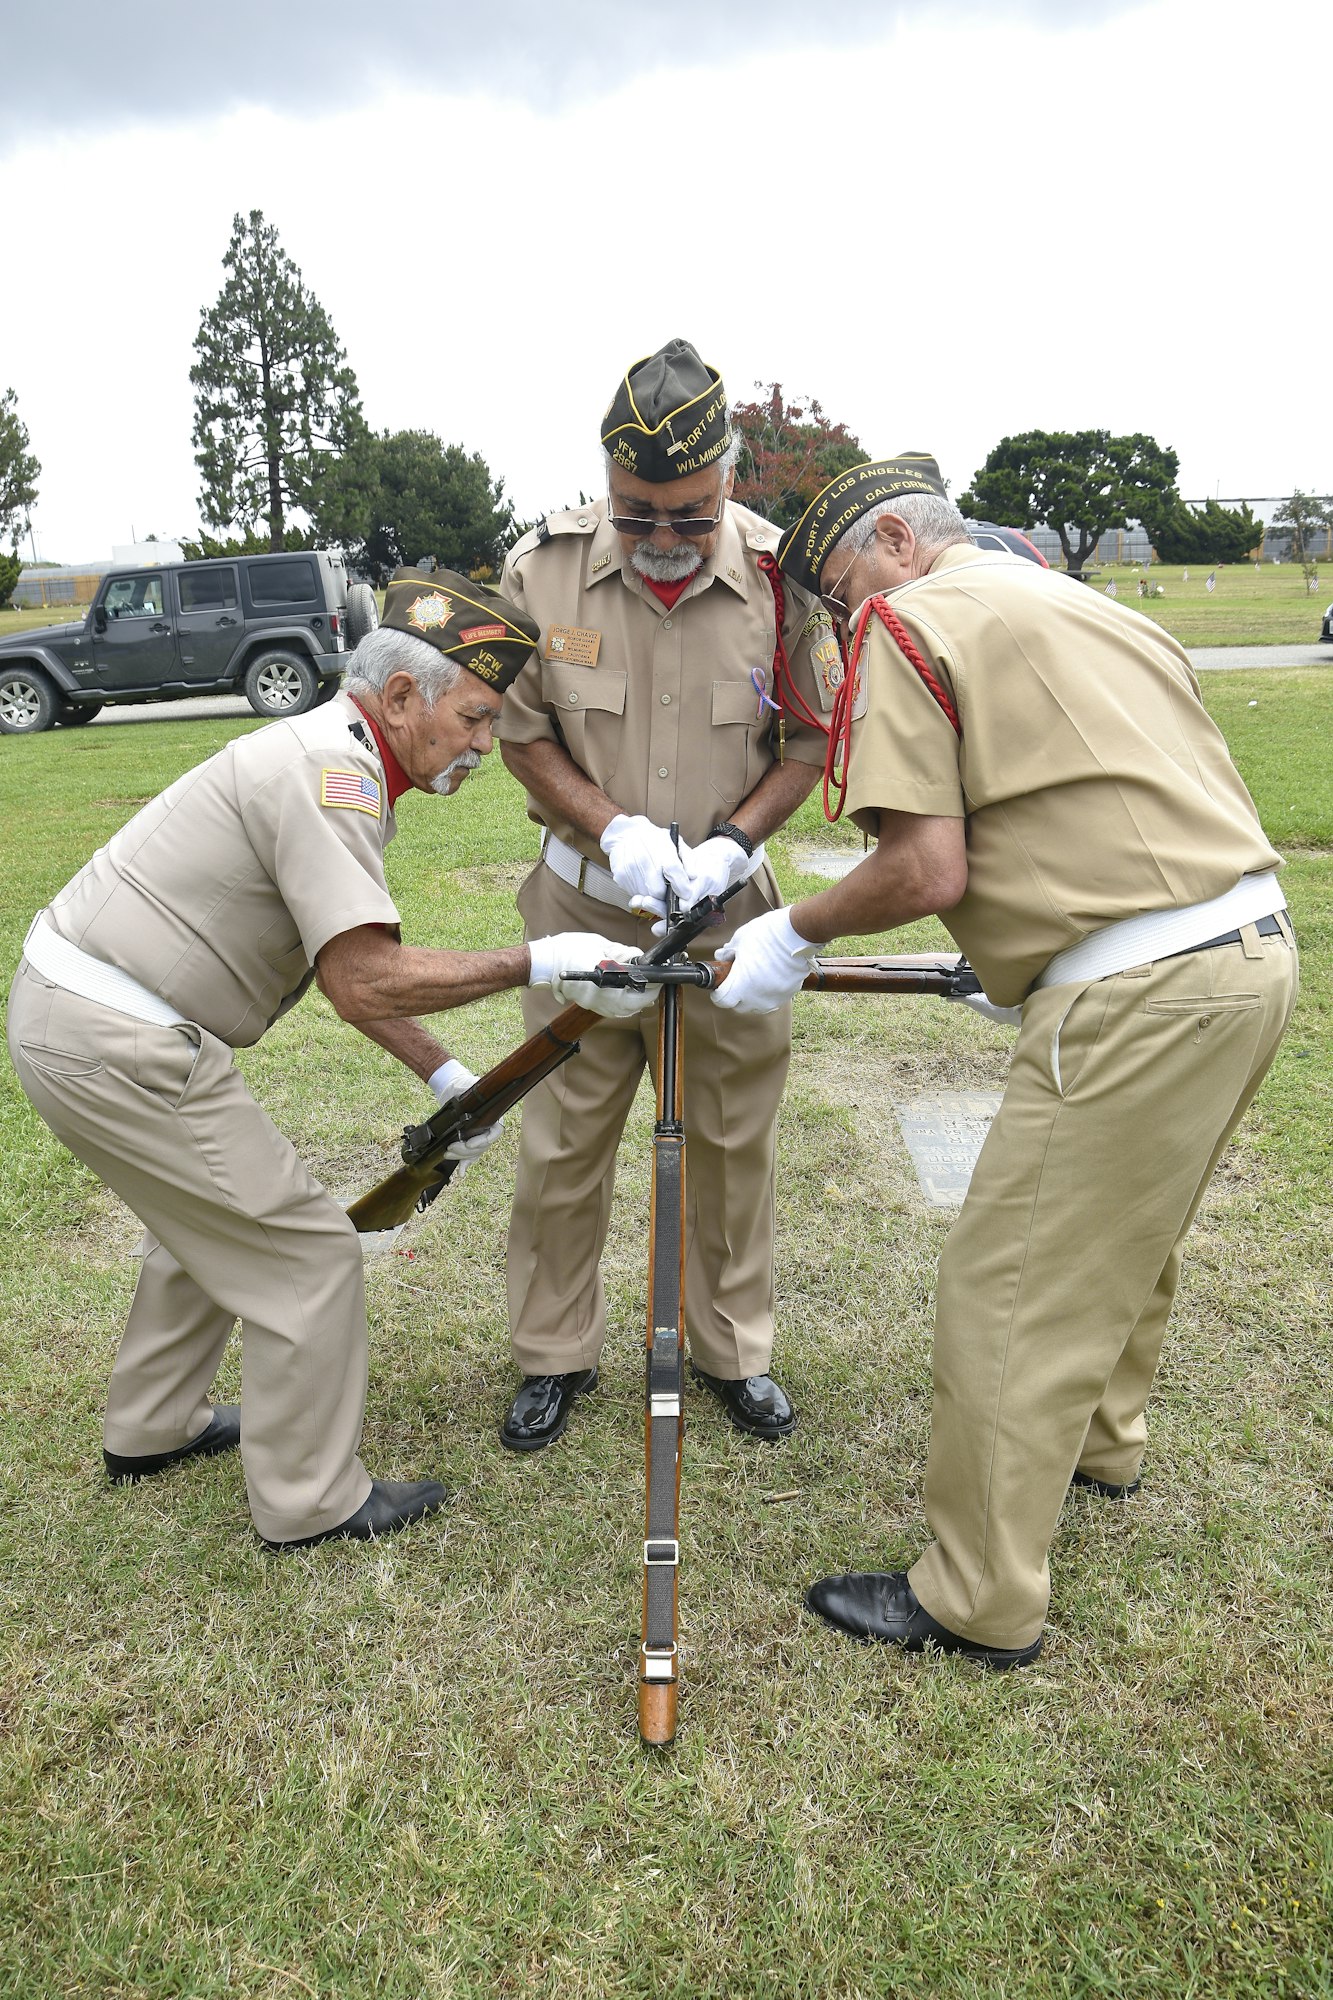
(237, 1229)
(1057, 1279)
(735, 1069)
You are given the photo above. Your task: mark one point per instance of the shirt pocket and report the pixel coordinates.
(588, 706)
(735, 764)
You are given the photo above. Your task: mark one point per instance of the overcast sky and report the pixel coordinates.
(948, 223)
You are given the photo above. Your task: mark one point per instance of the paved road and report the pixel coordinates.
(1227, 659)
(1207, 659)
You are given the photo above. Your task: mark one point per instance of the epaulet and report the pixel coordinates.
(569, 521)
(762, 537)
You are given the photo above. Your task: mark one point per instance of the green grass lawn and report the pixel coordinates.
(1264, 606)
(412, 1770)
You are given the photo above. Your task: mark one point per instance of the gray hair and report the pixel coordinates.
(936, 523)
(387, 651)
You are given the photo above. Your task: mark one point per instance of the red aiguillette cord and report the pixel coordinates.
(840, 730)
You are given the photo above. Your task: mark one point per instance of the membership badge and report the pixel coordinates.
(428, 613)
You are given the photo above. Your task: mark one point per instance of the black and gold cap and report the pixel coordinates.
(668, 417)
(804, 548)
(466, 621)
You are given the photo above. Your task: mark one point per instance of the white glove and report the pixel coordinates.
(770, 960)
(553, 958)
(716, 865)
(1008, 1017)
(449, 1081)
(643, 860)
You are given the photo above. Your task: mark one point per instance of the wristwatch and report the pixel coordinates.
(730, 831)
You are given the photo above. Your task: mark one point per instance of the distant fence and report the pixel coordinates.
(52, 588)
(1131, 545)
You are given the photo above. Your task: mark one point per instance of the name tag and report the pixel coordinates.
(575, 645)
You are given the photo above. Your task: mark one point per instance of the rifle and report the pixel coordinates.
(425, 1170)
(946, 978)
(664, 1419)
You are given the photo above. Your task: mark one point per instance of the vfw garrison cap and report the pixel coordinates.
(803, 549)
(466, 621)
(668, 417)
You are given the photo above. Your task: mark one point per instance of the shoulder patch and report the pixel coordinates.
(349, 791)
(818, 621)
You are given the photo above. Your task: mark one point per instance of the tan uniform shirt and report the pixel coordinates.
(219, 894)
(1094, 783)
(657, 706)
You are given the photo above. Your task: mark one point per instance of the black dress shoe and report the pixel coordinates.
(882, 1605)
(222, 1434)
(753, 1402)
(540, 1410)
(1105, 1489)
(391, 1504)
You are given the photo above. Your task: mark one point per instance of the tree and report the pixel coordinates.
(1302, 514)
(278, 421)
(1211, 534)
(788, 451)
(211, 548)
(19, 470)
(432, 499)
(1080, 483)
(10, 571)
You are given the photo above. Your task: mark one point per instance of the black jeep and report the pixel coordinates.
(273, 628)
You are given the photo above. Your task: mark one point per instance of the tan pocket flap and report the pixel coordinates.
(734, 701)
(572, 688)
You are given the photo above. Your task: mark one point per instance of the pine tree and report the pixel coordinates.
(278, 421)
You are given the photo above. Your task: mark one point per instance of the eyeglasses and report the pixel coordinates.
(694, 528)
(834, 604)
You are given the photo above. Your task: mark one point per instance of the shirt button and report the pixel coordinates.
(583, 520)
(662, 771)
(572, 699)
(666, 701)
(666, 624)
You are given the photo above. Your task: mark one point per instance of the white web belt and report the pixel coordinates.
(1163, 933)
(582, 874)
(79, 972)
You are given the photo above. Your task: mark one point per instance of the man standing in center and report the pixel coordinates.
(652, 699)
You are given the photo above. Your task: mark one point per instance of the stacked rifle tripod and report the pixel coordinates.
(426, 1171)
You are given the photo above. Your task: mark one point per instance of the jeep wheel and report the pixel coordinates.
(73, 714)
(281, 683)
(27, 701)
(363, 614)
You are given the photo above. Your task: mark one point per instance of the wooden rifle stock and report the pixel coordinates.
(426, 1170)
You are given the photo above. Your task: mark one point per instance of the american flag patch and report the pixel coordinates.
(351, 790)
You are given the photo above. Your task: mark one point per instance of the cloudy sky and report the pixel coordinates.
(947, 221)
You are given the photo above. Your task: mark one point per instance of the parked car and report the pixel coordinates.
(274, 628)
(987, 536)
(1326, 629)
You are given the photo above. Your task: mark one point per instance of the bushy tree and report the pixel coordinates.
(278, 421)
(1208, 534)
(11, 568)
(213, 548)
(1301, 515)
(788, 451)
(431, 499)
(19, 470)
(1080, 483)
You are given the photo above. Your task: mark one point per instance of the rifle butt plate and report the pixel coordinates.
(657, 1714)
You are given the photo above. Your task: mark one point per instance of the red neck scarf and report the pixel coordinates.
(395, 776)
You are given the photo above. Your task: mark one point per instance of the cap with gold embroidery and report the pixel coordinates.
(668, 417)
(803, 549)
(466, 621)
